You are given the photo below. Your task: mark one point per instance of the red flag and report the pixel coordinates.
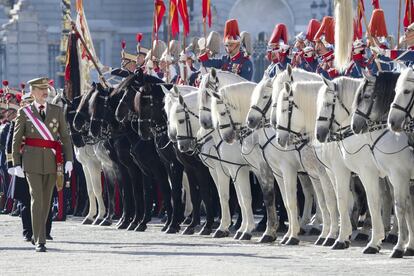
(185, 18)
(375, 4)
(207, 11)
(175, 25)
(407, 18)
(159, 13)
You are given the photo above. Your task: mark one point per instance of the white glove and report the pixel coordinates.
(17, 171)
(68, 168)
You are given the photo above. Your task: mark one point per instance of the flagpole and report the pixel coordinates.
(168, 40)
(409, 12)
(79, 35)
(153, 32)
(399, 24)
(185, 62)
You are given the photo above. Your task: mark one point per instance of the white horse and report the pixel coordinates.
(393, 154)
(283, 162)
(229, 109)
(335, 104)
(402, 111)
(191, 138)
(258, 119)
(296, 117)
(92, 169)
(229, 155)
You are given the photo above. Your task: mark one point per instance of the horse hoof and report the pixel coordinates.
(267, 239)
(188, 231)
(238, 235)
(339, 245)
(397, 254)
(329, 242)
(347, 244)
(123, 225)
(371, 250)
(361, 237)
(221, 234)
(173, 230)
(97, 221)
(391, 238)
(87, 221)
(409, 252)
(302, 231)
(320, 241)
(132, 226)
(246, 237)
(260, 227)
(120, 221)
(314, 231)
(292, 241)
(141, 227)
(206, 231)
(284, 240)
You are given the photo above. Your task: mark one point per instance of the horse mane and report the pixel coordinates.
(124, 83)
(298, 74)
(224, 78)
(305, 94)
(385, 84)
(237, 97)
(347, 88)
(263, 85)
(85, 97)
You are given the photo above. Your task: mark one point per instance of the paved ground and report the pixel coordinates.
(93, 250)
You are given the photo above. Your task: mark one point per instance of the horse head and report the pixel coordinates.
(260, 103)
(209, 85)
(402, 106)
(100, 110)
(373, 100)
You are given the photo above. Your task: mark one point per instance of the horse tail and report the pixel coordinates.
(344, 32)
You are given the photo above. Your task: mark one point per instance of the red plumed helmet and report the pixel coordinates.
(279, 33)
(1, 91)
(22, 85)
(18, 97)
(326, 32)
(139, 37)
(5, 83)
(377, 26)
(8, 96)
(231, 31)
(123, 44)
(313, 28)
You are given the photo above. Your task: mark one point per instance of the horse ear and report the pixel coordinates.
(289, 70)
(328, 83)
(213, 73)
(367, 76)
(175, 91)
(165, 90)
(278, 71)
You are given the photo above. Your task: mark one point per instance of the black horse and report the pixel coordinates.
(141, 153)
(153, 125)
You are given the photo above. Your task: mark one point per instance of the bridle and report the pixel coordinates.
(232, 124)
(187, 112)
(367, 114)
(210, 89)
(332, 119)
(263, 111)
(291, 105)
(410, 105)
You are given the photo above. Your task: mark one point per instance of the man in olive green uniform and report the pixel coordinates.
(41, 127)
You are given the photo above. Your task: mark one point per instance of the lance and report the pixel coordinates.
(153, 31)
(399, 24)
(168, 40)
